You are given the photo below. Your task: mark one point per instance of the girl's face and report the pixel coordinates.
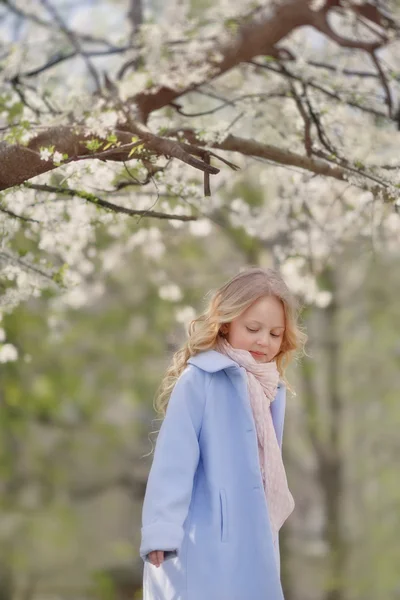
(259, 329)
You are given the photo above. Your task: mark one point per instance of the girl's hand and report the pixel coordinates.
(156, 557)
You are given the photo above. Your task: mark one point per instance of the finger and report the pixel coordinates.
(153, 557)
(160, 556)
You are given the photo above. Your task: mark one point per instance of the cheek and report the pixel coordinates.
(239, 337)
(277, 345)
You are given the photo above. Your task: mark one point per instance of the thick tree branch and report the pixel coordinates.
(258, 35)
(254, 38)
(321, 23)
(20, 163)
(280, 156)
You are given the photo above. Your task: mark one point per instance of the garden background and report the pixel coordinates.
(148, 152)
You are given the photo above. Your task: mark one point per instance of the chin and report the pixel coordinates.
(264, 359)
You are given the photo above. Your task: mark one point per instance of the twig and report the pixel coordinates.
(25, 265)
(105, 204)
(304, 116)
(56, 60)
(323, 90)
(12, 214)
(48, 24)
(385, 84)
(74, 41)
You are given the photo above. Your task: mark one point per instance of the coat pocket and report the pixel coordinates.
(224, 515)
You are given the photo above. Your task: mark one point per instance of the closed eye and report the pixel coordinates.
(255, 331)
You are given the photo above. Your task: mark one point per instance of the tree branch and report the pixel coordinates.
(56, 60)
(329, 93)
(254, 38)
(74, 41)
(48, 24)
(20, 163)
(303, 114)
(135, 15)
(257, 36)
(326, 167)
(348, 72)
(92, 198)
(385, 84)
(280, 156)
(321, 23)
(12, 214)
(10, 258)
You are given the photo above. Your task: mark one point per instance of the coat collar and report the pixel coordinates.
(212, 361)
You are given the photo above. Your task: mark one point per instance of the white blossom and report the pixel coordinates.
(170, 292)
(8, 353)
(200, 228)
(45, 154)
(57, 157)
(185, 314)
(305, 219)
(323, 299)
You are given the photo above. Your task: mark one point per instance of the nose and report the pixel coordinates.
(263, 341)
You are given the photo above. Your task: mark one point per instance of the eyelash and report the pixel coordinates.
(255, 330)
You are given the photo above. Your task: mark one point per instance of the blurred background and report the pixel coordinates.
(80, 361)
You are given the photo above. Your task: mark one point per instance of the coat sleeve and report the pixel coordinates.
(176, 456)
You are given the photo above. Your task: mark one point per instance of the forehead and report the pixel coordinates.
(268, 310)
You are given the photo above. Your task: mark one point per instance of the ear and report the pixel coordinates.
(224, 328)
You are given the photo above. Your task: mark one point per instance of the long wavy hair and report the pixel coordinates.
(227, 303)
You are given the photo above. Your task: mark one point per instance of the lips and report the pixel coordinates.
(260, 354)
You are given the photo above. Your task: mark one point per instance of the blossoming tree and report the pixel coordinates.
(125, 120)
(121, 111)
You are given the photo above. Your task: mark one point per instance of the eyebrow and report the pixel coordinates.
(259, 323)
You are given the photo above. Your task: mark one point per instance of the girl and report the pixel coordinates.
(217, 492)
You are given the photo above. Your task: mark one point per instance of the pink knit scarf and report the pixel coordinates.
(262, 382)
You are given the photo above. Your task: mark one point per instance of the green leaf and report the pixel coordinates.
(136, 149)
(15, 111)
(93, 144)
(58, 277)
(232, 25)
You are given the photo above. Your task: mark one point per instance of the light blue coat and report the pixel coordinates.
(204, 500)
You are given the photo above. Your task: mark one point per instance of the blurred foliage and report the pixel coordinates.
(64, 416)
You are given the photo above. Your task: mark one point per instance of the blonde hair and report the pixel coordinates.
(227, 303)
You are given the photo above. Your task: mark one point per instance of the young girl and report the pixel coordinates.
(217, 492)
